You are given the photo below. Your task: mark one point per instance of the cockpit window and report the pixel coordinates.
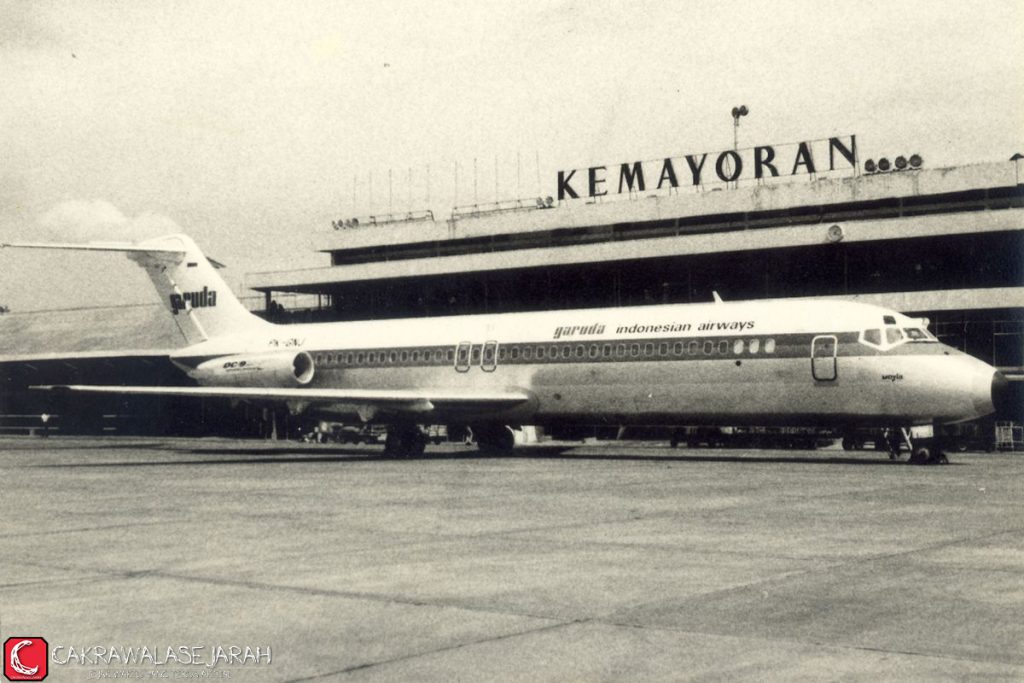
(918, 334)
(889, 320)
(893, 335)
(873, 337)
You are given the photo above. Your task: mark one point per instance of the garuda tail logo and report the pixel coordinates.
(207, 298)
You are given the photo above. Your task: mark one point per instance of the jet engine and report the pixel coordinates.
(257, 370)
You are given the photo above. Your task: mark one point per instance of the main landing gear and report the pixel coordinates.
(405, 441)
(494, 438)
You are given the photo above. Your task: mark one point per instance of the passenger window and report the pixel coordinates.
(754, 346)
(594, 351)
(580, 351)
(474, 355)
(450, 355)
(348, 359)
(515, 352)
(677, 348)
(359, 358)
(692, 348)
(634, 350)
(737, 346)
(415, 356)
(663, 348)
(769, 346)
(566, 351)
(620, 351)
(709, 348)
(648, 349)
(723, 347)
(606, 351)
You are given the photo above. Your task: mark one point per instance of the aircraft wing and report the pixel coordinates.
(392, 400)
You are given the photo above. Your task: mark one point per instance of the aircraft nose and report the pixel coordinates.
(1007, 396)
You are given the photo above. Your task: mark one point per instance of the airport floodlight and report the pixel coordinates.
(916, 160)
(901, 163)
(883, 164)
(869, 166)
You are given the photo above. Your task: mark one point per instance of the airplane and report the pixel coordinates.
(765, 362)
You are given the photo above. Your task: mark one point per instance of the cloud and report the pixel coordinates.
(97, 219)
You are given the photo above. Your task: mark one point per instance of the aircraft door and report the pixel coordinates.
(462, 356)
(823, 357)
(489, 361)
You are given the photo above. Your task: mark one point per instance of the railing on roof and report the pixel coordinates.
(469, 210)
(388, 218)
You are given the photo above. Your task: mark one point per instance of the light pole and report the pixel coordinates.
(737, 112)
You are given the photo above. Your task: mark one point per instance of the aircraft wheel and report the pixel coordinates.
(406, 442)
(920, 456)
(499, 439)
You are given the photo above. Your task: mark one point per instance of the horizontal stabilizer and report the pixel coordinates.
(92, 246)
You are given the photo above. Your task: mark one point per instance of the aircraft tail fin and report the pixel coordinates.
(202, 304)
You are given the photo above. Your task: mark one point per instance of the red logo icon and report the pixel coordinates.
(25, 659)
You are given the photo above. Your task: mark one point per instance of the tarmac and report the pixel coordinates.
(611, 562)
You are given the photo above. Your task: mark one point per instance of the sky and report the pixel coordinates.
(251, 125)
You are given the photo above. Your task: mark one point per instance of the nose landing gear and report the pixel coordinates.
(926, 449)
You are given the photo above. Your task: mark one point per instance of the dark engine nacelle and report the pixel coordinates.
(257, 370)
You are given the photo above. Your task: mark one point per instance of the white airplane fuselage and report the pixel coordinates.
(769, 362)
